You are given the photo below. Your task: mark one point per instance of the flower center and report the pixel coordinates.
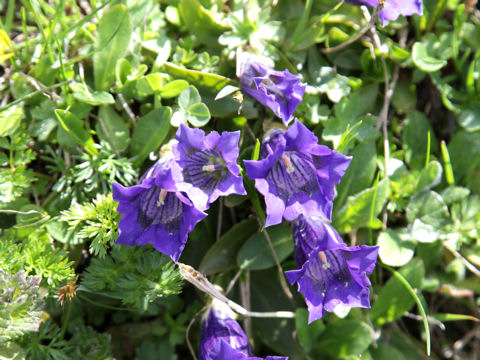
(288, 164)
(159, 206)
(293, 175)
(323, 259)
(205, 169)
(161, 197)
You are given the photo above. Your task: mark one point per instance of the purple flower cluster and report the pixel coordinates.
(222, 338)
(297, 178)
(174, 193)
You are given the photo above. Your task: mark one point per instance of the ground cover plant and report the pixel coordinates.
(207, 179)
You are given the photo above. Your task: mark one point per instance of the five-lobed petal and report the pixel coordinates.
(330, 273)
(280, 91)
(296, 175)
(208, 165)
(155, 211)
(392, 9)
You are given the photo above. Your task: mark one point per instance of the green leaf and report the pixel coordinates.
(188, 98)
(453, 194)
(424, 61)
(469, 119)
(199, 115)
(384, 351)
(307, 334)
(429, 207)
(405, 97)
(114, 31)
(149, 133)
(201, 23)
(255, 254)
(74, 127)
(392, 302)
(464, 149)
(10, 119)
(360, 172)
(420, 304)
(221, 256)
(454, 317)
(213, 82)
(172, 89)
(415, 134)
(356, 212)
(112, 128)
(395, 249)
(430, 176)
(87, 96)
(36, 216)
(345, 338)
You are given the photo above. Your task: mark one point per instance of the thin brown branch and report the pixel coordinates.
(370, 24)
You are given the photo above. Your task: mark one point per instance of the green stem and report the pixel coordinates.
(66, 318)
(303, 22)
(417, 301)
(9, 16)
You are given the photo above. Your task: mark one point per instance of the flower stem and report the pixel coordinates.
(283, 282)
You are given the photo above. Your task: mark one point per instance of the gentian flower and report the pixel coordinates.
(392, 9)
(296, 175)
(330, 273)
(280, 91)
(222, 338)
(208, 165)
(155, 211)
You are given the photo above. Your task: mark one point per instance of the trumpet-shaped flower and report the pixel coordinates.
(330, 273)
(208, 165)
(222, 338)
(296, 175)
(392, 9)
(280, 91)
(155, 211)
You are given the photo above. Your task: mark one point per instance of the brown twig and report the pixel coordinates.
(370, 24)
(283, 282)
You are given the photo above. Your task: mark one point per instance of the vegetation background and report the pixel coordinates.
(87, 93)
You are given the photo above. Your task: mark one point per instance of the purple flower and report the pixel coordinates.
(222, 338)
(330, 273)
(392, 9)
(296, 175)
(155, 212)
(208, 165)
(280, 91)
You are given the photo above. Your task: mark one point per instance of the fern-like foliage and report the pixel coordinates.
(35, 255)
(136, 275)
(49, 343)
(96, 222)
(15, 178)
(89, 174)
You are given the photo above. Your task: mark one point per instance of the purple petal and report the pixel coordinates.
(296, 175)
(330, 273)
(207, 165)
(393, 8)
(155, 212)
(280, 91)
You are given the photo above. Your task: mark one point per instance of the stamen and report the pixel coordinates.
(161, 197)
(209, 168)
(269, 149)
(323, 259)
(288, 164)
